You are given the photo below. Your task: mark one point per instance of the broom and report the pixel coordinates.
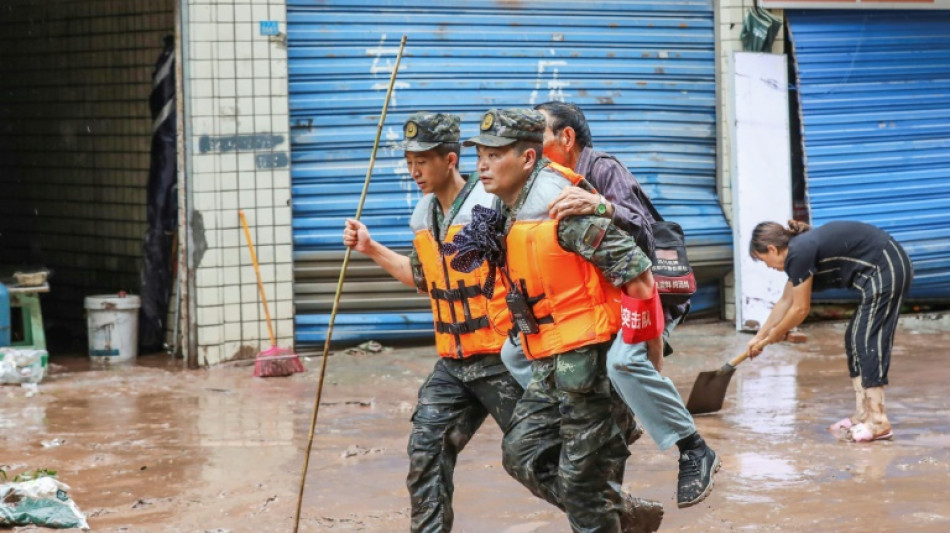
(274, 361)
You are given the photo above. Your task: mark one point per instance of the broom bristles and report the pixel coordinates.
(276, 362)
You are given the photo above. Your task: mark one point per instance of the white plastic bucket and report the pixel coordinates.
(113, 323)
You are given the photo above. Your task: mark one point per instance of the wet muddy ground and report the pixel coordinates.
(154, 448)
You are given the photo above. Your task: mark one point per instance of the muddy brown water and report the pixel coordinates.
(155, 448)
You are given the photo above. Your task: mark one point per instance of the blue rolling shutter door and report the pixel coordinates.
(875, 104)
(642, 71)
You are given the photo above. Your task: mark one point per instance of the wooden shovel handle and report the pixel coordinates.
(739, 358)
(745, 355)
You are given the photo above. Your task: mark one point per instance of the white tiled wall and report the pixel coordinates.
(75, 135)
(238, 92)
(731, 14)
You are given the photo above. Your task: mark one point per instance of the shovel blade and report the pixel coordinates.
(709, 391)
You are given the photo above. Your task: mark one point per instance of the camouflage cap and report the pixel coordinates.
(501, 127)
(424, 131)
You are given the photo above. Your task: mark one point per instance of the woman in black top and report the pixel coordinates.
(848, 255)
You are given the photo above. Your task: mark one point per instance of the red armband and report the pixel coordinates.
(641, 320)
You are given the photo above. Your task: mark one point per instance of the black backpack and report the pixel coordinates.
(671, 270)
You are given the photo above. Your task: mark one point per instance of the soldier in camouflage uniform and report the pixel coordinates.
(469, 381)
(563, 439)
(633, 370)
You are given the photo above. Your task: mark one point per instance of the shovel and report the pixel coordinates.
(709, 391)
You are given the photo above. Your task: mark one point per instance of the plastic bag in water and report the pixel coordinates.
(40, 502)
(22, 366)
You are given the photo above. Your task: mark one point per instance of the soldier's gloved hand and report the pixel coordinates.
(356, 236)
(641, 319)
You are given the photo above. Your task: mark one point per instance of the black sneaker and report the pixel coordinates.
(696, 475)
(639, 515)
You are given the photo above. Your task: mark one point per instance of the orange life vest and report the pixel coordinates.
(574, 303)
(466, 322)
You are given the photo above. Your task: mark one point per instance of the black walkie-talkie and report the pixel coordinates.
(521, 314)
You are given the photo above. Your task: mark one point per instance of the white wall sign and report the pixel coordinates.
(761, 175)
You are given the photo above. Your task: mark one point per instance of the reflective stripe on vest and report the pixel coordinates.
(462, 315)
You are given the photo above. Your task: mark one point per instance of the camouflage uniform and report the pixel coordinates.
(453, 403)
(563, 439)
(459, 393)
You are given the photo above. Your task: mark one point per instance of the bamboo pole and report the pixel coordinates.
(339, 285)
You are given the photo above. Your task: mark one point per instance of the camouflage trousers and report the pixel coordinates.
(453, 402)
(564, 443)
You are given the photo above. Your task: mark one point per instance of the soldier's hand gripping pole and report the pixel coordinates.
(339, 285)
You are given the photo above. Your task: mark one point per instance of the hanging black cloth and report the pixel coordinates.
(162, 204)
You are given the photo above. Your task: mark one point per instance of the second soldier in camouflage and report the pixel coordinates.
(563, 438)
